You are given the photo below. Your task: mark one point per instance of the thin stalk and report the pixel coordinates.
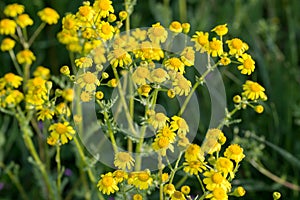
(36, 33)
(182, 10)
(58, 162)
(161, 186)
(181, 181)
(16, 64)
(201, 184)
(175, 167)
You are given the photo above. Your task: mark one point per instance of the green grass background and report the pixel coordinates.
(270, 27)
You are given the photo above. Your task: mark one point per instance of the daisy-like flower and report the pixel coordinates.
(158, 120)
(52, 141)
(201, 41)
(24, 20)
(187, 56)
(168, 132)
(84, 62)
(86, 12)
(106, 30)
(177, 195)
(139, 34)
(123, 160)
(107, 184)
(85, 96)
(104, 7)
(45, 113)
(48, 15)
(221, 30)
(99, 54)
(237, 46)
(25, 57)
(14, 97)
(119, 57)
(120, 175)
(215, 47)
(254, 91)
(69, 22)
(144, 90)
(137, 197)
(215, 179)
(217, 194)
(12, 10)
(248, 64)
(7, 44)
(179, 124)
(193, 167)
(159, 75)
(182, 86)
(169, 189)
(239, 191)
(7, 27)
(225, 60)
(194, 152)
(68, 94)
(175, 27)
(13, 80)
(62, 131)
(175, 64)
(140, 75)
(185, 189)
(225, 166)
(88, 81)
(143, 180)
(42, 72)
(213, 140)
(162, 144)
(157, 33)
(62, 109)
(234, 152)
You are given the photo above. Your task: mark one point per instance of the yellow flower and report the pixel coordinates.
(7, 44)
(237, 46)
(52, 141)
(168, 132)
(234, 152)
(215, 47)
(247, 62)
(215, 179)
(221, 30)
(25, 57)
(24, 20)
(186, 27)
(14, 97)
(143, 180)
(193, 167)
(158, 120)
(175, 64)
(69, 22)
(182, 86)
(99, 95)
(194, 152)
(112, 83)
(213, 140)
(171, 93)
(225, 166)
(62, 131)
(253, 91)
(119, 57)
(137, 197)
(7, 27)
(123, 15)
(120, 175)
(157, 33)
(177, 195)
(68, 94)
(13, 80)
(159, 75)
(65, 70)
(62, 109)
(12, 10)
(106, 30)
(99, 54)
(88, 81)
(140, 75)
(48, 15)
(85, 96)
(276, 195)
(161, 144)
(237, 99)
(123, 160)
(169, 189)
(259, 109)
(104, 7)
(225, 60)
(176, 27)
(201, 41)
(42, 72)
(37, 91)
(84, 62)
(185, 189)
(144, 90)
(139, 34)
(45, 113)
(179, 124)
(239, 192)
(86, 12)
(112, 18)
(218, 194)
(149, 51)
(107, 184)
(187, 56)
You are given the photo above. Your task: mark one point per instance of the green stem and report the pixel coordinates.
(57, 159)
(161, 186)
(228, 117)
(36, 33)
(181, 181)
(16, 64)
(175, 167)
(201, 184)
(182, 10)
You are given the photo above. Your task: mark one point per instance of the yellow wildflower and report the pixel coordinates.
(144, 90)
(24, 20)
(65, 70)
(143, 180)
(221, 30)
(51, 141)
(68, 94)
(137, 197)
(123, 15)
(171, 93)
(42, 72)
(99, 95)
(62, 109)
(201, 41)
(104, 7)
(139, 34)
(185, 189)
(106, 30)
(225, 60)
(215, 47)
(86, 12)
(25, 57)
(193, 167)
(253, 91)
(14, 97)
(157, 33)
(85, 96)
(111, 17)
(12, 10)
(215, 179)
(7, 44)
(212, 142)
(159, 75)
(194, 152)
(187, 56)
(169, 189)
(259, 109)
(225, 166)
(175, 64)
(107, 184)
(239, 191)
(119, 57)
(123, 160)
(140, 75)
(88, 81)
(158, 120)
(177, 195)
(182, 86)
(234, 152)
(247, 62)
(7, 27)
(237, 46)
(48, 15)
(217, 194)
(99, 54)
(176, 27)
(69, 22)
(45, 113)
(168, 132)
(13, 80)
(62, 131)
(120, 175)
(179, 124)
(84, 62)
(161, 144)
(186, 27)
(276, 195)
(112, 83)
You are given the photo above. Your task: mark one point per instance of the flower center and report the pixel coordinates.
(107, 181)
(106, 29)
(202, 40)
(143, 176)
(104, 5)
(124, 157)
(215, 45)
(160, 117)
(142, 72)
(176, 25)
(158, 31)
(163, 142)
(183, 84)
(255, 87)
(219, 193)
(89, 78)
(61, 128)
(175, 62)
(217, 178)
(159, 73)
(236, 150)
(248, 63)
(237, 43)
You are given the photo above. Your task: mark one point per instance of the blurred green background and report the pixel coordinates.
(272, 30)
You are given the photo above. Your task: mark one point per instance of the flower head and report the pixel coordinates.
(201, 41)
(217, 194)
(247, 64)
(254, 91)
(193, 167)
(234, 152)
(45, 113)
(175, 27)
(88, 81)
(104, 7)
(106, 30)
(140, 75)
(143, 180)
(119, 57)
(215, 47)
(193, 152)
(224, 165)
(42, 72)
(123, 160)
(48, 15)
(62, 131)
(24, 20)
(179, 124)
(159, 75)
(221, 30)
(169, 189)
(12, 80)
(177, 195)
(182, 86)
(158, 120)
(237, 46)
(84, 62)
(157, 33)
(187, 56)
(175, 64)
(7, 44)
(107, 184)
(7, 27)
(161, 144)
(12, 10)
(215, 179)
(25, 57)
(120, 175)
